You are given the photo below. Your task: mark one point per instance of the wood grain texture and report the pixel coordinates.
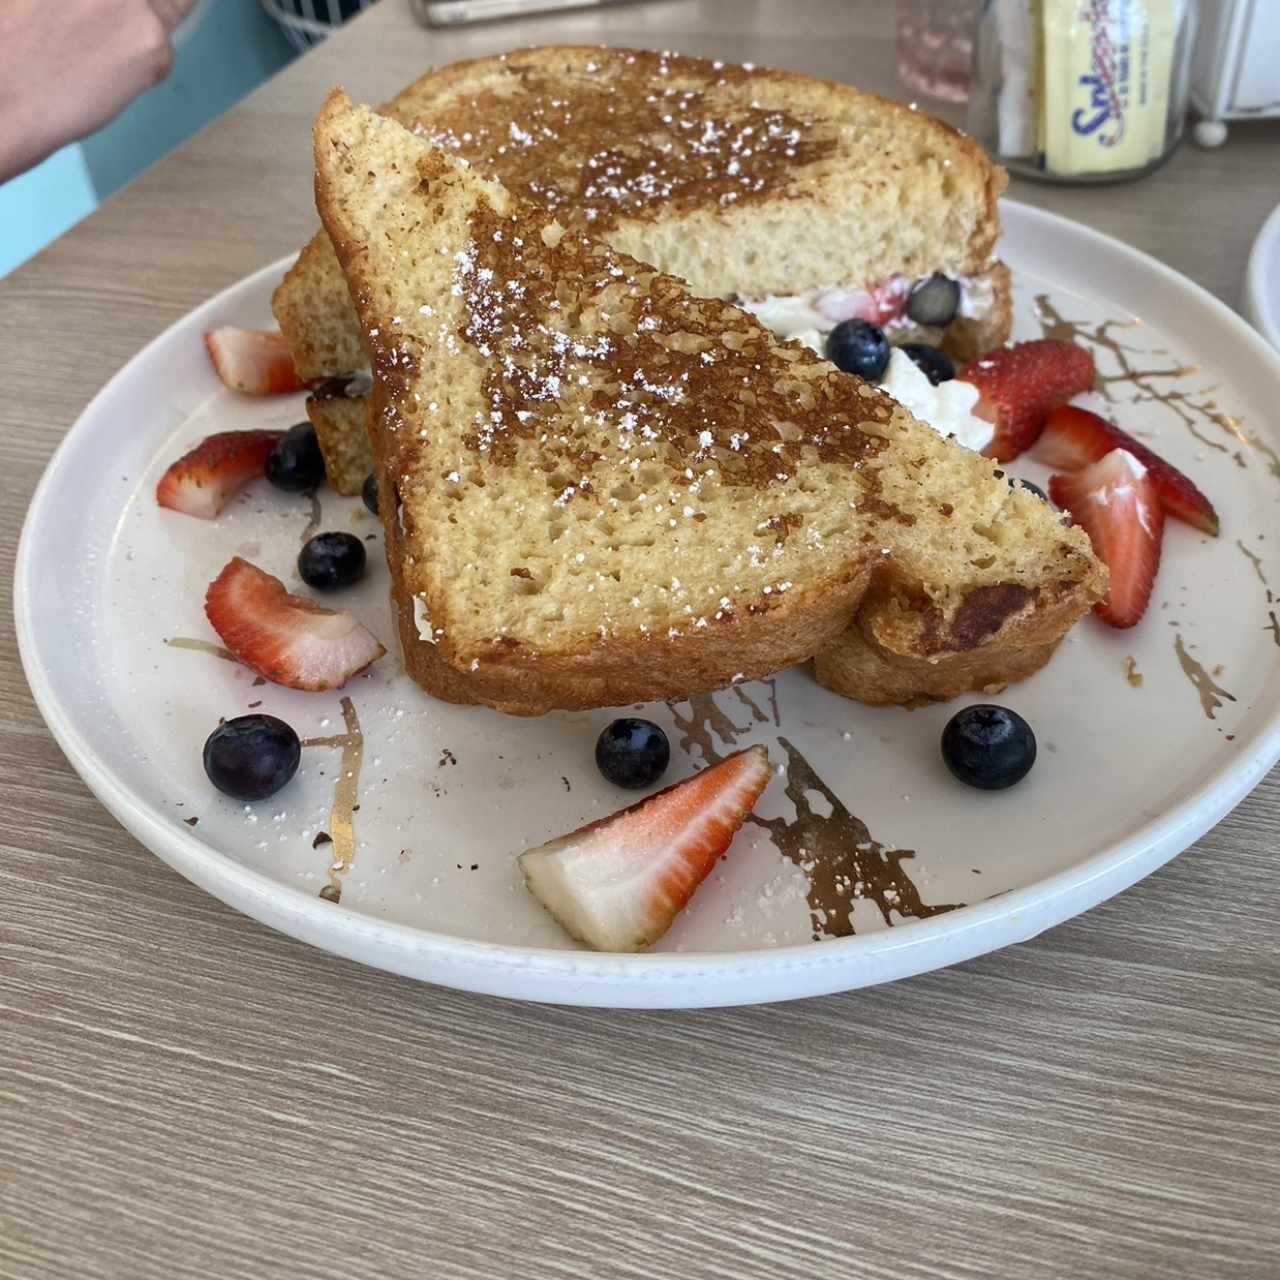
(186, 1094)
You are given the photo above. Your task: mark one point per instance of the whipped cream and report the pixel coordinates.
(800, 315)
(977, 294)
(422, 620)
(791, 316)
(947, 408)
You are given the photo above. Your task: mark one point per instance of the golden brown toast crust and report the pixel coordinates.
(518, 674)
(756, 637)
(348, 454)
(900, 652)
(634, 672)
(685, 174)
(597, 141)
(338, 408)
(737, 181)
(857, 668)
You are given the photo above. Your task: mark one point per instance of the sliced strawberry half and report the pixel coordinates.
(1075, 437)
(204, 480)
(256, 361)
(1018, 385)
(1116, 501)
(285, 638)
(617, 884)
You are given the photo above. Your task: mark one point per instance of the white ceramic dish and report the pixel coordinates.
(1128, 776)
(1262, 281)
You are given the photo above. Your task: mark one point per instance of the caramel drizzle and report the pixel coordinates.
(757, 715)
(1211, 693)
(346, 793)
(705, 717)
(1272, 623)
(201, 646)
(1273, 459)
(1256, 561)
(840, 859)
(1191, 407)
(313, 522)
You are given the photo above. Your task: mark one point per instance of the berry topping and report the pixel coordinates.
(877, 305)
(934, 301)
(936, 365)
(617, 884)
(1018, 386)
(857, 346)
(296, 463)
(1074, 438)
(251, 757)
(331, 561)
(369, 494)
(256, 361)
(632, 753)
(1117, 503)
(988, 747)
(285, 638)
(204, 480)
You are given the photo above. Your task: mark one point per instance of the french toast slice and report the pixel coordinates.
(747, 183)
(338, 408)
(599, 488)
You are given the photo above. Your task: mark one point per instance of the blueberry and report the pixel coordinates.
(632, 753)
(988, 747)
(1017, 481)
(251, 757)
(936, 365)
(857, 346)
(934, 301)
(330, 561)
(370, 492)
(296, 462)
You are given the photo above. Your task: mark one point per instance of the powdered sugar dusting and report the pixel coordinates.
(689, 138)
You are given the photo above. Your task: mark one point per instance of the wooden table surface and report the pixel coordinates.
(186, 1094)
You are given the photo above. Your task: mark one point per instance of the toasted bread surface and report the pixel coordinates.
(857, 667)
(739, 180)
(606, 489)
(338, 409)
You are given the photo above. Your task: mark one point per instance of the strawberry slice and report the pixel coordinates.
(617, 884)
(256, 361)
(1018, 386)
(285, 638)
(1075, 437)
(205, 479)
(1117, 503)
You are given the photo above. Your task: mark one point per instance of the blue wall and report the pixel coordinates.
(38, 206)
(228, 48)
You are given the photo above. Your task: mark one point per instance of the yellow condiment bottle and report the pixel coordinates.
(1106, 68)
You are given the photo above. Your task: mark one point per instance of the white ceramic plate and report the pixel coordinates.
(1262, 283)
(1128, 776)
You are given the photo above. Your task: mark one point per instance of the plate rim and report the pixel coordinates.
(648, 979)
(1263, 314)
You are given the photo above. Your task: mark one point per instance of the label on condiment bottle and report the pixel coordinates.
(1106, 68)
